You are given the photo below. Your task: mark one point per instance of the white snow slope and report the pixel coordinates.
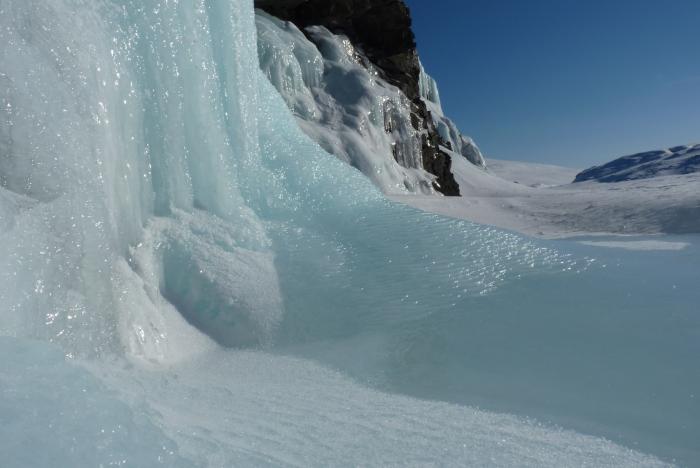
(539, 200)
(532, 174)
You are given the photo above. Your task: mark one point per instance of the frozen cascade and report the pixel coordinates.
(157, 201)
(122, 165)
(453, 140)
(341, 102)
(428, 88)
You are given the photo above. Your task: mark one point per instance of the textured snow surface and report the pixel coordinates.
(253, 409)
(56, 414)
(639, 245)
(536, 200)
(532, 174)
(672, 161)
(158, 200)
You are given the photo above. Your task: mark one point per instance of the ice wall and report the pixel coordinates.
(341, 102)
(124, 168)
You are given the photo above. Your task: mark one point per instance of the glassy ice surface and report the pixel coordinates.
(611, 350)
(160, 211)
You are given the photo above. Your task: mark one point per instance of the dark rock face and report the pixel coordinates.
(673, 161)
(382, 30)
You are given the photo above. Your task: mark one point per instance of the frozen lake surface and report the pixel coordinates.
(609, 351)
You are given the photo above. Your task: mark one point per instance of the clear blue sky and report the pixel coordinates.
(570, 82)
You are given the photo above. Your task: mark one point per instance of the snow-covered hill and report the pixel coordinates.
(535, 199)
(676, 160)
(532, 174)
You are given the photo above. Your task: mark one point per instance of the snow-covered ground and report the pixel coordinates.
(532, 174)
(539, 200)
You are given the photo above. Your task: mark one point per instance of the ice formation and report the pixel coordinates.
(160, 210)
(342, 102)
(453, 140)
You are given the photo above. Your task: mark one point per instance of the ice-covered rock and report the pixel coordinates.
(386, 69)
(450, 135)
(342, 103)
(380, 28)
(672, 161)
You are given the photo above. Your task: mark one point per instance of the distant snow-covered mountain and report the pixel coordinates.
(672, 161)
